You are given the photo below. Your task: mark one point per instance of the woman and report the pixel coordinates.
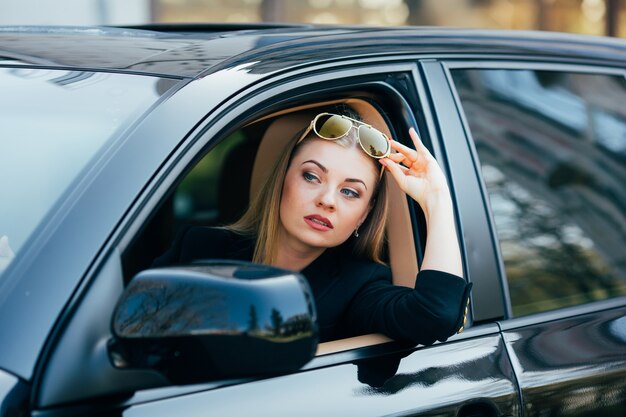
(322, 212)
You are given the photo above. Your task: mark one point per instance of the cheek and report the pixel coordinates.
(350, 214)
(290, 195)
(358, 214)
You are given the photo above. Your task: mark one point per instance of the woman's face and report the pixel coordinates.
(326, 194)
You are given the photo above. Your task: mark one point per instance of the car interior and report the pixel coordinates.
(217, 190)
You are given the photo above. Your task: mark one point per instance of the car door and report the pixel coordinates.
(551, 144)
(470, 374)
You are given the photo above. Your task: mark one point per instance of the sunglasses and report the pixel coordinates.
(330, 126)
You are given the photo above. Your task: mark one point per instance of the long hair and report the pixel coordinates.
(262, 218)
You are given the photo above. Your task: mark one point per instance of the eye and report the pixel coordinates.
(350, 193)
(310, 177)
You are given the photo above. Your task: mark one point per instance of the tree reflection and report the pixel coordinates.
(155, 309)
(277, 322)
(277, 327)
(554, 171)
(253, 321)
(550, 262)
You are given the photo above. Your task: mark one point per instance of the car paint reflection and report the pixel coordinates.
(569, 367)
(433, 373)
(433, 380)
(13, 395)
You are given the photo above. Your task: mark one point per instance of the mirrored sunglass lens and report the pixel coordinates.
(373, 141)
(332, 126)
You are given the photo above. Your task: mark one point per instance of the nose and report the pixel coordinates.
(326, 199)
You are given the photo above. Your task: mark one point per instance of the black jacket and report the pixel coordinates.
(352, 296)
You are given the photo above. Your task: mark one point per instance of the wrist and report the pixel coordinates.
(437, 202)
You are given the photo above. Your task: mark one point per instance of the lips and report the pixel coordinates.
(318, 222)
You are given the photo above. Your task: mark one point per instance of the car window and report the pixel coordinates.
(215, 191)
(552, 148)
(53, 123)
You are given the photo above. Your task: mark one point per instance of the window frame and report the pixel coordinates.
(509, 321)
(354, 77)
(211, 126)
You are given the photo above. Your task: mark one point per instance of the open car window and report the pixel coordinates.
(217, 190)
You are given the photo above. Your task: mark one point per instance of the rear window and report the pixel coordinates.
(552, 148)
(53, 124)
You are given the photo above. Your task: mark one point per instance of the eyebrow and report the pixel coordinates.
(325, 170)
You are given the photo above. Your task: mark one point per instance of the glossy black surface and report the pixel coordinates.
(263, 51)
(442, 380)
(216, 319)
(13, 396)
(572, 367)
(556, 196)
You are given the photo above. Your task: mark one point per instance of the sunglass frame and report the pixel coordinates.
(311, 127)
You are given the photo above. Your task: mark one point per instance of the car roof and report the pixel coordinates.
(190, 51)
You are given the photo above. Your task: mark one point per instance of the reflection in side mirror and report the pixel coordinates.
(213, 320)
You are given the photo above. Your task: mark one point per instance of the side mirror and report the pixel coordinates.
(213, 320)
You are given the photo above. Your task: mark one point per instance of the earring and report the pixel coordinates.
(356, 231)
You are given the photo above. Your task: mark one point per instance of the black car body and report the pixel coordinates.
(529, 127)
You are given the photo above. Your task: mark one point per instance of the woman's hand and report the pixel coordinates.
(417, 173)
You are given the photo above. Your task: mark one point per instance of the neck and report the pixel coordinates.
(295, 257)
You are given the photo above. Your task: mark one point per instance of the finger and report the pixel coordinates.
(399, 158)
(396, 171)
(412, 158)
(417, 141)
(404, 150)
(402, 167)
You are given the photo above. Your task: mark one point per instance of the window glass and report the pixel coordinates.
(53, 123)
(201, 196)
(552, 147)
(217, 189)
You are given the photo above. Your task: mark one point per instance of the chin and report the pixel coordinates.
(315, 240)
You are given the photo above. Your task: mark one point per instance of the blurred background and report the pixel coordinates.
(595, 17)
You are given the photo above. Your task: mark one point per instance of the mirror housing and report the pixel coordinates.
(214, 320)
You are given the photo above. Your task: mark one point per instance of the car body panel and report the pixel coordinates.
(200, 53)
(571, 366)
(436, 380)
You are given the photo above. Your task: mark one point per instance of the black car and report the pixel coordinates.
(114, 139)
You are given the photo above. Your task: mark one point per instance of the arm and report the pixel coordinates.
(434, 310)
(419, 176)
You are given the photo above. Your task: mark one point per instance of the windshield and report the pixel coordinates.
(52, 123)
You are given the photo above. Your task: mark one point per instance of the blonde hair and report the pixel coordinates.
(262, 218)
